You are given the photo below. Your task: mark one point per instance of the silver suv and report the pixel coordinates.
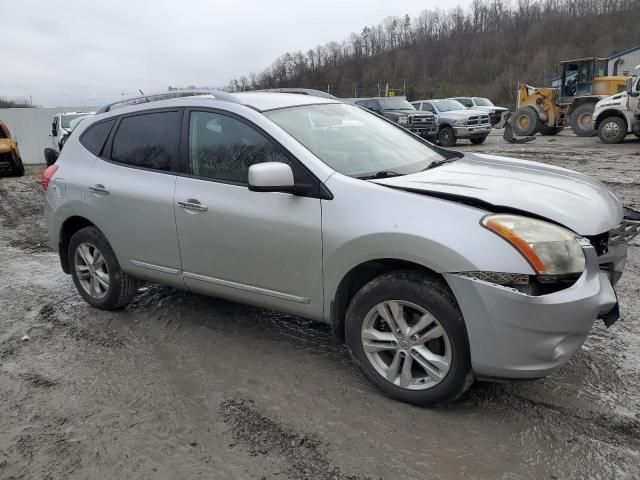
(436, 267)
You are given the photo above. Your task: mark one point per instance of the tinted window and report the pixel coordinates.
(427, 107)
(465, 101)
(149, 140)
(94, 137)
(373, 105)
(223, 148)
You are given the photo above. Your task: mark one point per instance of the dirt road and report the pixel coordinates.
(183, 386)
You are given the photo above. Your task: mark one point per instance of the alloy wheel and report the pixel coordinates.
(406, 345)
(91, 270)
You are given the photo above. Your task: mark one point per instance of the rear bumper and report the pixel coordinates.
(514, 335)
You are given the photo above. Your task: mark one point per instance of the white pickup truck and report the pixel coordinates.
(61, 126)
(617, 116)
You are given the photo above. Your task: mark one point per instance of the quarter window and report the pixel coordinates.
(149, 140)
(94, 137)
(223, 148)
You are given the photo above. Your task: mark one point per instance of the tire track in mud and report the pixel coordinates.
(302, 455)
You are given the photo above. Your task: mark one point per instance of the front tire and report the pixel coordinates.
(96, 272)
(478, 140)
(612, 130)
(447, 137)
(525, 122)
(406, 333)
(581, 120)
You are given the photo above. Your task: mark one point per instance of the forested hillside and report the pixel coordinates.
(484, 50)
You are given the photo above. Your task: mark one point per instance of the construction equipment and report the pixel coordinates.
(584, 82)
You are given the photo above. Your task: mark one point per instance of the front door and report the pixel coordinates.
(255, 247)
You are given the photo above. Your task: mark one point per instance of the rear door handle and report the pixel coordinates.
(98, 189)
(193, 205)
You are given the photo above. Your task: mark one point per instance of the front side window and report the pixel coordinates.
(94, 137)
(483, 102)
(395, 103)
(427, 107)
(467, 102)
(448, 105)
(223, 148)
(149, 140)
(352, 141)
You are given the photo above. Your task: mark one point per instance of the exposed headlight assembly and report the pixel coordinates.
(551, 250)
(403, 120)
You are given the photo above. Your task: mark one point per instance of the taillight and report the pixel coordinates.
(46, 176)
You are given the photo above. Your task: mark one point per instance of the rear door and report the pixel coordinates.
(255, 247)
(130, 193)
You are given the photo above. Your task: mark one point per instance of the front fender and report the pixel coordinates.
(379, 222)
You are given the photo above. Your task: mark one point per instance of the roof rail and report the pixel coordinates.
(301, 91)
(155, 97)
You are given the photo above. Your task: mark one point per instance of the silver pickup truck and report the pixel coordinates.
(456, 121)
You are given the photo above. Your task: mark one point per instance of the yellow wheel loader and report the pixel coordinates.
(547, 110)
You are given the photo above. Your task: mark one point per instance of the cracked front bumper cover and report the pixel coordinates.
(515, 335)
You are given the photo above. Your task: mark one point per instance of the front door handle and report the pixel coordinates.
(193, 205)
(98, 189)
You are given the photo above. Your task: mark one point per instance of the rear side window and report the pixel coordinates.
(149, 140)
(94, 137)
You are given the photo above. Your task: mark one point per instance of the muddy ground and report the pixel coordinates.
(178, 385)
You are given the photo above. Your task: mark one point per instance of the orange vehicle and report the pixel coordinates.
(9, 153)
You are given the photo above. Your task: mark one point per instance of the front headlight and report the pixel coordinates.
(551, 250)
(403, 120)
(460, 122)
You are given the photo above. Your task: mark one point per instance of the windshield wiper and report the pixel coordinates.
(380, 174)
(452, 157)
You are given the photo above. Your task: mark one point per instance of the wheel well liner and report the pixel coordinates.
(70, 226)
(358, 277)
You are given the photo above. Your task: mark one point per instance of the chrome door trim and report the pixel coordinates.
(157, 268)
(246, 288)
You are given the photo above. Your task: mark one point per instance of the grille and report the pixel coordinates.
(501, 278)
(422, 120)
(478, 120)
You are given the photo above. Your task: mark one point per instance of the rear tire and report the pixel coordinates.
(612, 130)
(478, 140)
(447, 137)
(403, 364)
(547, 131)
(17, 169)
(525, 122)
(581, 120)
(96, 271)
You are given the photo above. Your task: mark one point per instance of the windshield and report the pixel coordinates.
(483, 102)
(354, 142)
(66, 119)
(448, 105)
(395, 103)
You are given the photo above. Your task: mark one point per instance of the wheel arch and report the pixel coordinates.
(67, 230)
(612, 112)
(357, 277)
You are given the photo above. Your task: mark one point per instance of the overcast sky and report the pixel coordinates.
(79, 52)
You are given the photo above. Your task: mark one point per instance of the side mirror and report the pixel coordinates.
(274, 177)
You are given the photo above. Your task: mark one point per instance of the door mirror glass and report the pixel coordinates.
(271, 177)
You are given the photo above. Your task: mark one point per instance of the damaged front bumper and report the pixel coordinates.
(516, 335)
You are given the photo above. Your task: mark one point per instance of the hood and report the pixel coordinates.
(461, 114)
(563, 196)
(612, 101)
(405, 113)
(6, 145)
